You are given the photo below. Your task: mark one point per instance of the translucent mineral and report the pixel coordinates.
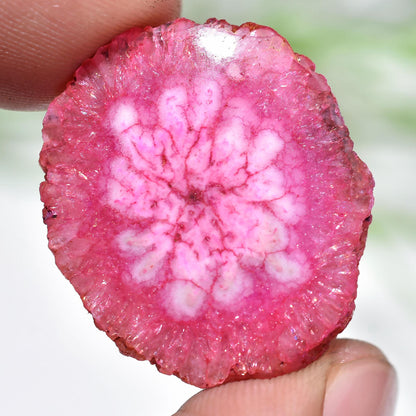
(203, 197)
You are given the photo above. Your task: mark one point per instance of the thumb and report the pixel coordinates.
(351, 378)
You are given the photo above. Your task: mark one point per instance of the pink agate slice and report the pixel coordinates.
(203, 198)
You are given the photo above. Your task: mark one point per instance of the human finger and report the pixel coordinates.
(43, 41)
(351, 378)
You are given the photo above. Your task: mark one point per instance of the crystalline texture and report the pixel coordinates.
(202, 196)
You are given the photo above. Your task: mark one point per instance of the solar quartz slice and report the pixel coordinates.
(203, 197)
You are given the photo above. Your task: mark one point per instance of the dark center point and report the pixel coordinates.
(195, 196)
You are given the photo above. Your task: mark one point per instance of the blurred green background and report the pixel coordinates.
(367, 51)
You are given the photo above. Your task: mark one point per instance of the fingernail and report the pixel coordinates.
(361, 388)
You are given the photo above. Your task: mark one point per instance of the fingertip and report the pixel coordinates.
(310, 390)
(359, 380)
(44, 42)
(364, 387)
